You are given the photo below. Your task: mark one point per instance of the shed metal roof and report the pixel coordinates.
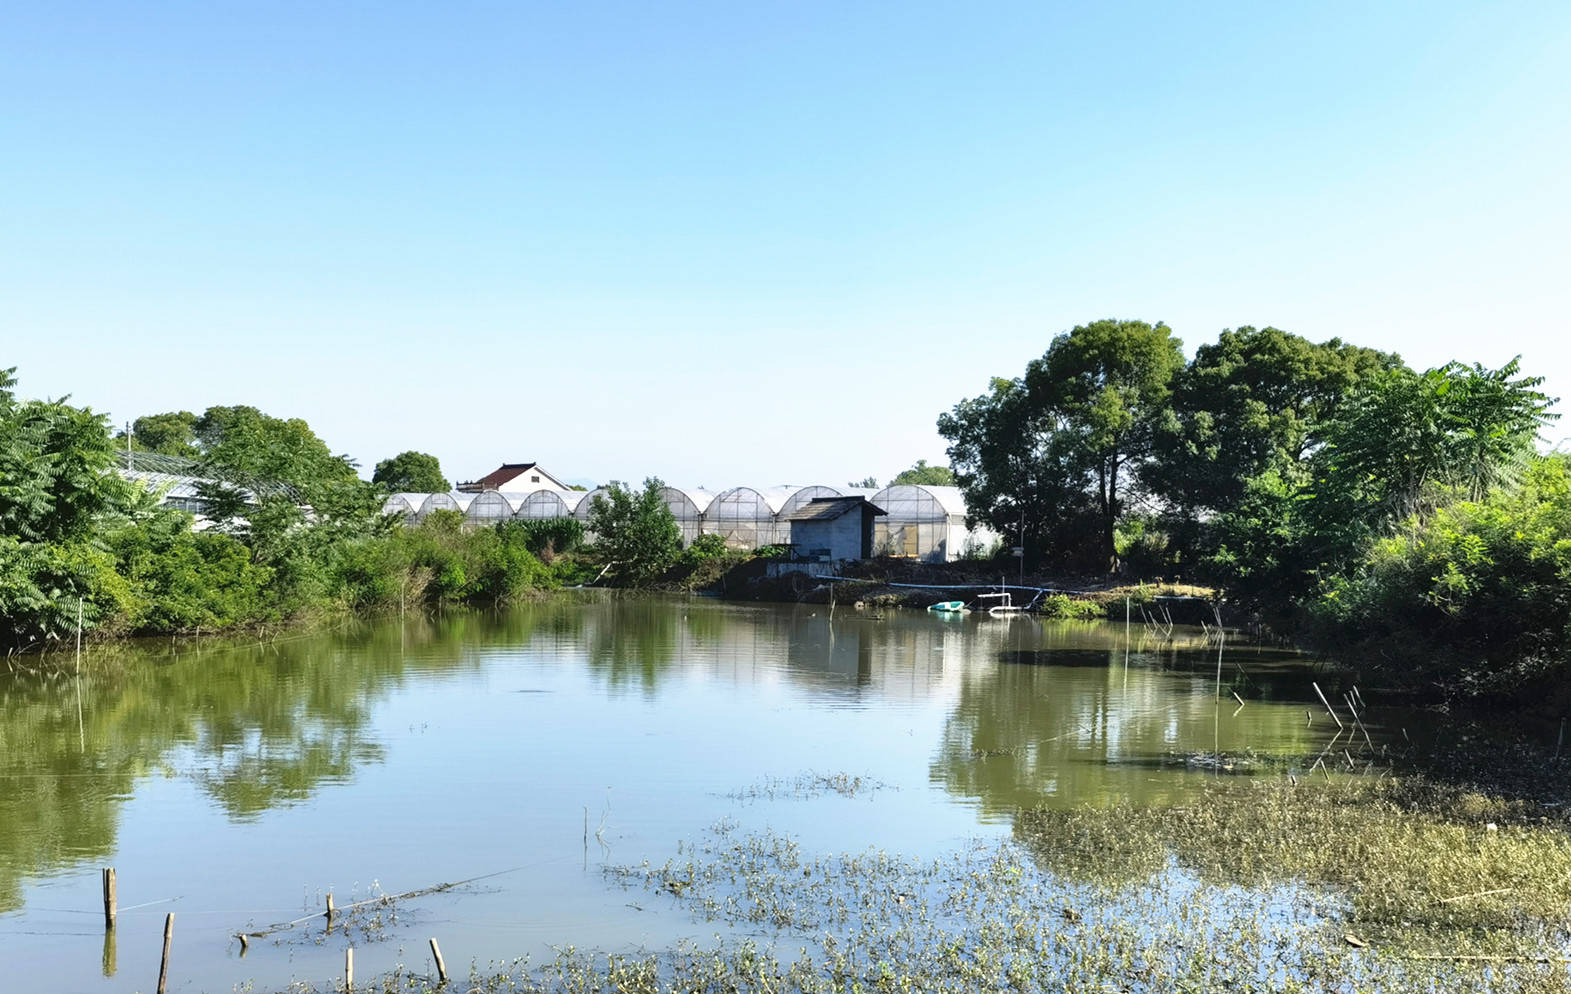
(830, 508)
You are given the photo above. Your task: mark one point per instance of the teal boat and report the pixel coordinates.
(949, 607)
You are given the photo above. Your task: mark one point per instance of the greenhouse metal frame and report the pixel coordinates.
(926, 523)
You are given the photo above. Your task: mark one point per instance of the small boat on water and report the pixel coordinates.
(949, 607)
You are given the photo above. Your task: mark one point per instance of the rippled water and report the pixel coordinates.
(532, 748)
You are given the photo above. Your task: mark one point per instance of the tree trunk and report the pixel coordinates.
(1109, 479)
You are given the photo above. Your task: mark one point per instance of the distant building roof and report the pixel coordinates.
(509, 472)
(830, 508)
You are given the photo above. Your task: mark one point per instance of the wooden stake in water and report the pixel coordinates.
(441, 965)
(163, 966)
(109, 897)
(349, 968)
(1329, 710)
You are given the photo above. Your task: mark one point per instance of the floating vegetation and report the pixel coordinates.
(363, 921)
(1340, 884)
(1424, 865)
(806, 786)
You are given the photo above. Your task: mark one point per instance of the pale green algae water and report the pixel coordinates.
(636, 776)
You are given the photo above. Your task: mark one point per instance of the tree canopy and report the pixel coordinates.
(1075, 432)
(171, 434)
(1255, 400)
(925, 475)
(635, 530)
(410, 472)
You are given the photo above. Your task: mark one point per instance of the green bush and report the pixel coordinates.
(1062, 607)
(706, 548)
(1474, 599)
(545, 537)
(186, 581)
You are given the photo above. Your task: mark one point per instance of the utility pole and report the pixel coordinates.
(130, 459)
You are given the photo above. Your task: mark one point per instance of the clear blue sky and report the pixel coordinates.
(751, 243)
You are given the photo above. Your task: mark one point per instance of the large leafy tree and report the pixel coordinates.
(1413, 441)
(410, 472)
(635, 530)
(1402, 447)
(275, 485)
(1017, 474)
(172, 433)
(1257, 400)
(1073, 435)
(56, 489)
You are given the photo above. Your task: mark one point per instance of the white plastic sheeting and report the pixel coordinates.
(492, 506)
(407, 505)
(454, 501)
(920, 522)
(744, 517)
(550, 504)
(926, 523)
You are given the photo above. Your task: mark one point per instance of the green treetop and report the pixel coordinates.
(410, 472)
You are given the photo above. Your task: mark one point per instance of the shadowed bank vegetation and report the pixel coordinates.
(1402, 519)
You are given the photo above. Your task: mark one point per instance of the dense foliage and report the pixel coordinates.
(1474, 597)
(289, 531)
(635, 531)
(410, 472)
(1402, 517)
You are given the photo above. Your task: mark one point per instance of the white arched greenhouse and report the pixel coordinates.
(550, 504)
(454, 501)
(744, 517)
(923, 522)
(490, 507)
(687, 507)
(404, 505)
(587, 503)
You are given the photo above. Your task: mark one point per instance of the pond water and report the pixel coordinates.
(534, 748)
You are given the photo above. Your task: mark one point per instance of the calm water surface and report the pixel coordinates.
(236, 787)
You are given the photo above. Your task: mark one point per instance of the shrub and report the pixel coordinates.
(1474, 599)
(1065, 608)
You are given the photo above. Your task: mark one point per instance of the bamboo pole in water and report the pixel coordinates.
(109, 897)
(441, 965)
(163, 965)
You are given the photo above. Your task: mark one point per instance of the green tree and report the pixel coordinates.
(410, 472)
(636, 532)
(1405, 446)
(1411, 438)
(56, 490)
(925, 475)
(170, 434)
(865, 483)
(1080, 425)
(1018, 478)
(1255, 400)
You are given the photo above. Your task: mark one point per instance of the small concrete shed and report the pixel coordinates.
(827, 529)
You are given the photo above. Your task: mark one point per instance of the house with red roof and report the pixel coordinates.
(514, 478)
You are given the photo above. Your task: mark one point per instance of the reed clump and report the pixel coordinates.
(1419, 861)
